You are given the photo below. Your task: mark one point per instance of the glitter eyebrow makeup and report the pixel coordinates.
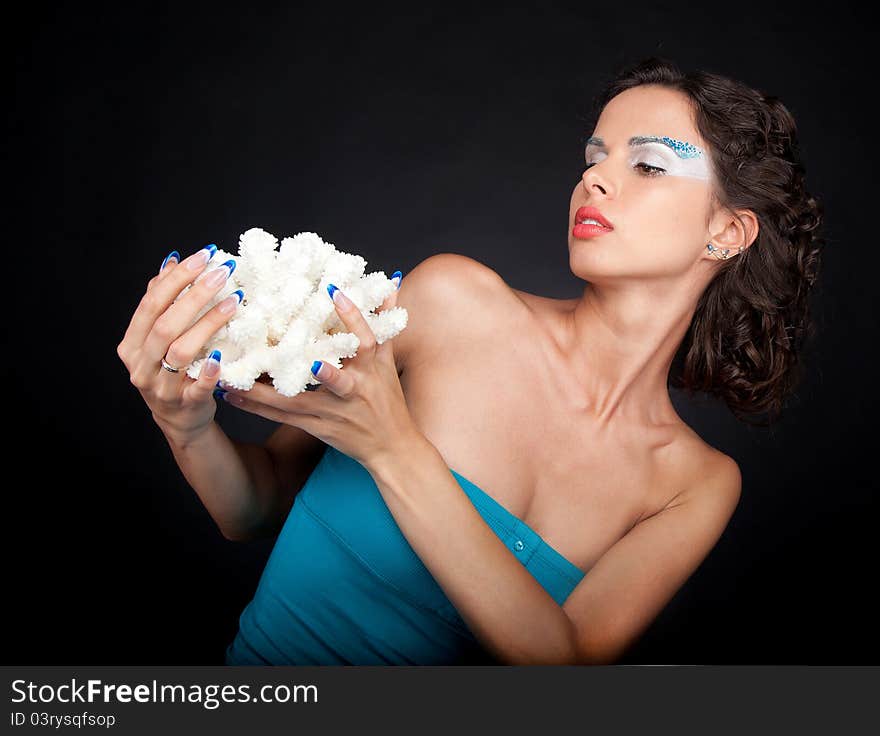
(690, 161)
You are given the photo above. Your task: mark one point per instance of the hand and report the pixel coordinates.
(162, 328)
(359, 409)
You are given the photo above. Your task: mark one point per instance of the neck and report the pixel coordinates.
(617, 344)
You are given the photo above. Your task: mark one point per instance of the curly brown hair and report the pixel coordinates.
(753, 320)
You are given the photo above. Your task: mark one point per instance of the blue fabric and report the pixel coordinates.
(343, 585)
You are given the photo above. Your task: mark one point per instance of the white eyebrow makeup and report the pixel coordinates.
(676, 158)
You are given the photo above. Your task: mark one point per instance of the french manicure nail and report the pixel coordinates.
(217, 276)
(338, 297)
(213, 365)
(232, 301)
(202, 257)
(397, 275)
(173, 254)
(316, 367)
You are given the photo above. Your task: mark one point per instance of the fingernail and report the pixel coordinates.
(212, 367)
(338, 297)
(397, 275)
(218, 275)
(316, 368)
(219, 393)
(173, 254)
(232, 301)
(202, 257)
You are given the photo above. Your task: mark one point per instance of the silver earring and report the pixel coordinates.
(724, 253)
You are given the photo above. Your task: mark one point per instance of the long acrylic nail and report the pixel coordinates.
(231, 302)
(201, 258)
(212, 368)
(172, 255)
(340, 299)
(397, 275)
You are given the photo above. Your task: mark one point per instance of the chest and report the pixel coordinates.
(496, 422)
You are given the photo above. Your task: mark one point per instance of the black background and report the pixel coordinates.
(395, 134)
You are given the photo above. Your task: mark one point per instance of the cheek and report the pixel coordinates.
(666, 221)
(670, 210)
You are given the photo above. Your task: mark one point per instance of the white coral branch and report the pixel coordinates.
(287, 319)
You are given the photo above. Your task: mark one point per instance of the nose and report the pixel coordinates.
(594, 180)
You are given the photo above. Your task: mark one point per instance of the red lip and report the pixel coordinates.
(592, 213)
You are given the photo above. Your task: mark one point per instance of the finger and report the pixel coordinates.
(305, 402)
(309, 422)
(206, 384)
(185, 348)
(391, 299)
(385, 351)
(340, 382)
(179, 315)
(354, 321)
(161, 291)
(171, 260)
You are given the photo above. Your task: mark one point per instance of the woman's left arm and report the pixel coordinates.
(505, 607)
(363, 414)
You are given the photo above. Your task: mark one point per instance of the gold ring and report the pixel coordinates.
(169, 368)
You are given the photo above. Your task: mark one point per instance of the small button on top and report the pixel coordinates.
(518, 545)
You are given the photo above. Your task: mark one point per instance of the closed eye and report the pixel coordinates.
(647, 169)
(651, 170)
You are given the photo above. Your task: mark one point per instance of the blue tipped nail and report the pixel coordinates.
(330, 289)
(215, 355)
(240, 294)
(316, 366)
(231, 264)
(397, 275)
(212, 249)
(173, 254)
(219, 393)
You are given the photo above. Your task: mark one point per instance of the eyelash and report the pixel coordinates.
(648, 170)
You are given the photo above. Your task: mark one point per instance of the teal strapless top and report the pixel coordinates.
(342, 584)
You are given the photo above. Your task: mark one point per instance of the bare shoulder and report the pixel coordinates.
(715, 477)
(443, 295)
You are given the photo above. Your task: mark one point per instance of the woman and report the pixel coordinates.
(508, 482)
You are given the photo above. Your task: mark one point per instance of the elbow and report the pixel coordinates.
(593, 651)
(248, 533)
(601, 654)
(231, 535)
(236, 533)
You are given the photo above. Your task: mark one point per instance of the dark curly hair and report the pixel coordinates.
(753, 319)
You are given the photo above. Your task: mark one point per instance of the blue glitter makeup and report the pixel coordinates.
(682, 149)
(685, 160)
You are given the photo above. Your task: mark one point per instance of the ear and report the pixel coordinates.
(732, 230)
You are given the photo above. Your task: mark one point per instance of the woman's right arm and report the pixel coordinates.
(248, 489)
(245, 487)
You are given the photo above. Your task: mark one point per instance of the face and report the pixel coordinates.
(649, 174)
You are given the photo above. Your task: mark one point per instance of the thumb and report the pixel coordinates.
(385, 351)
(391, 299)
(201, 389)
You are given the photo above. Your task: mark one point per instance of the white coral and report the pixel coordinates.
(287, 319)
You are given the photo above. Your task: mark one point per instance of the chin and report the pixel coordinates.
(589, 262)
